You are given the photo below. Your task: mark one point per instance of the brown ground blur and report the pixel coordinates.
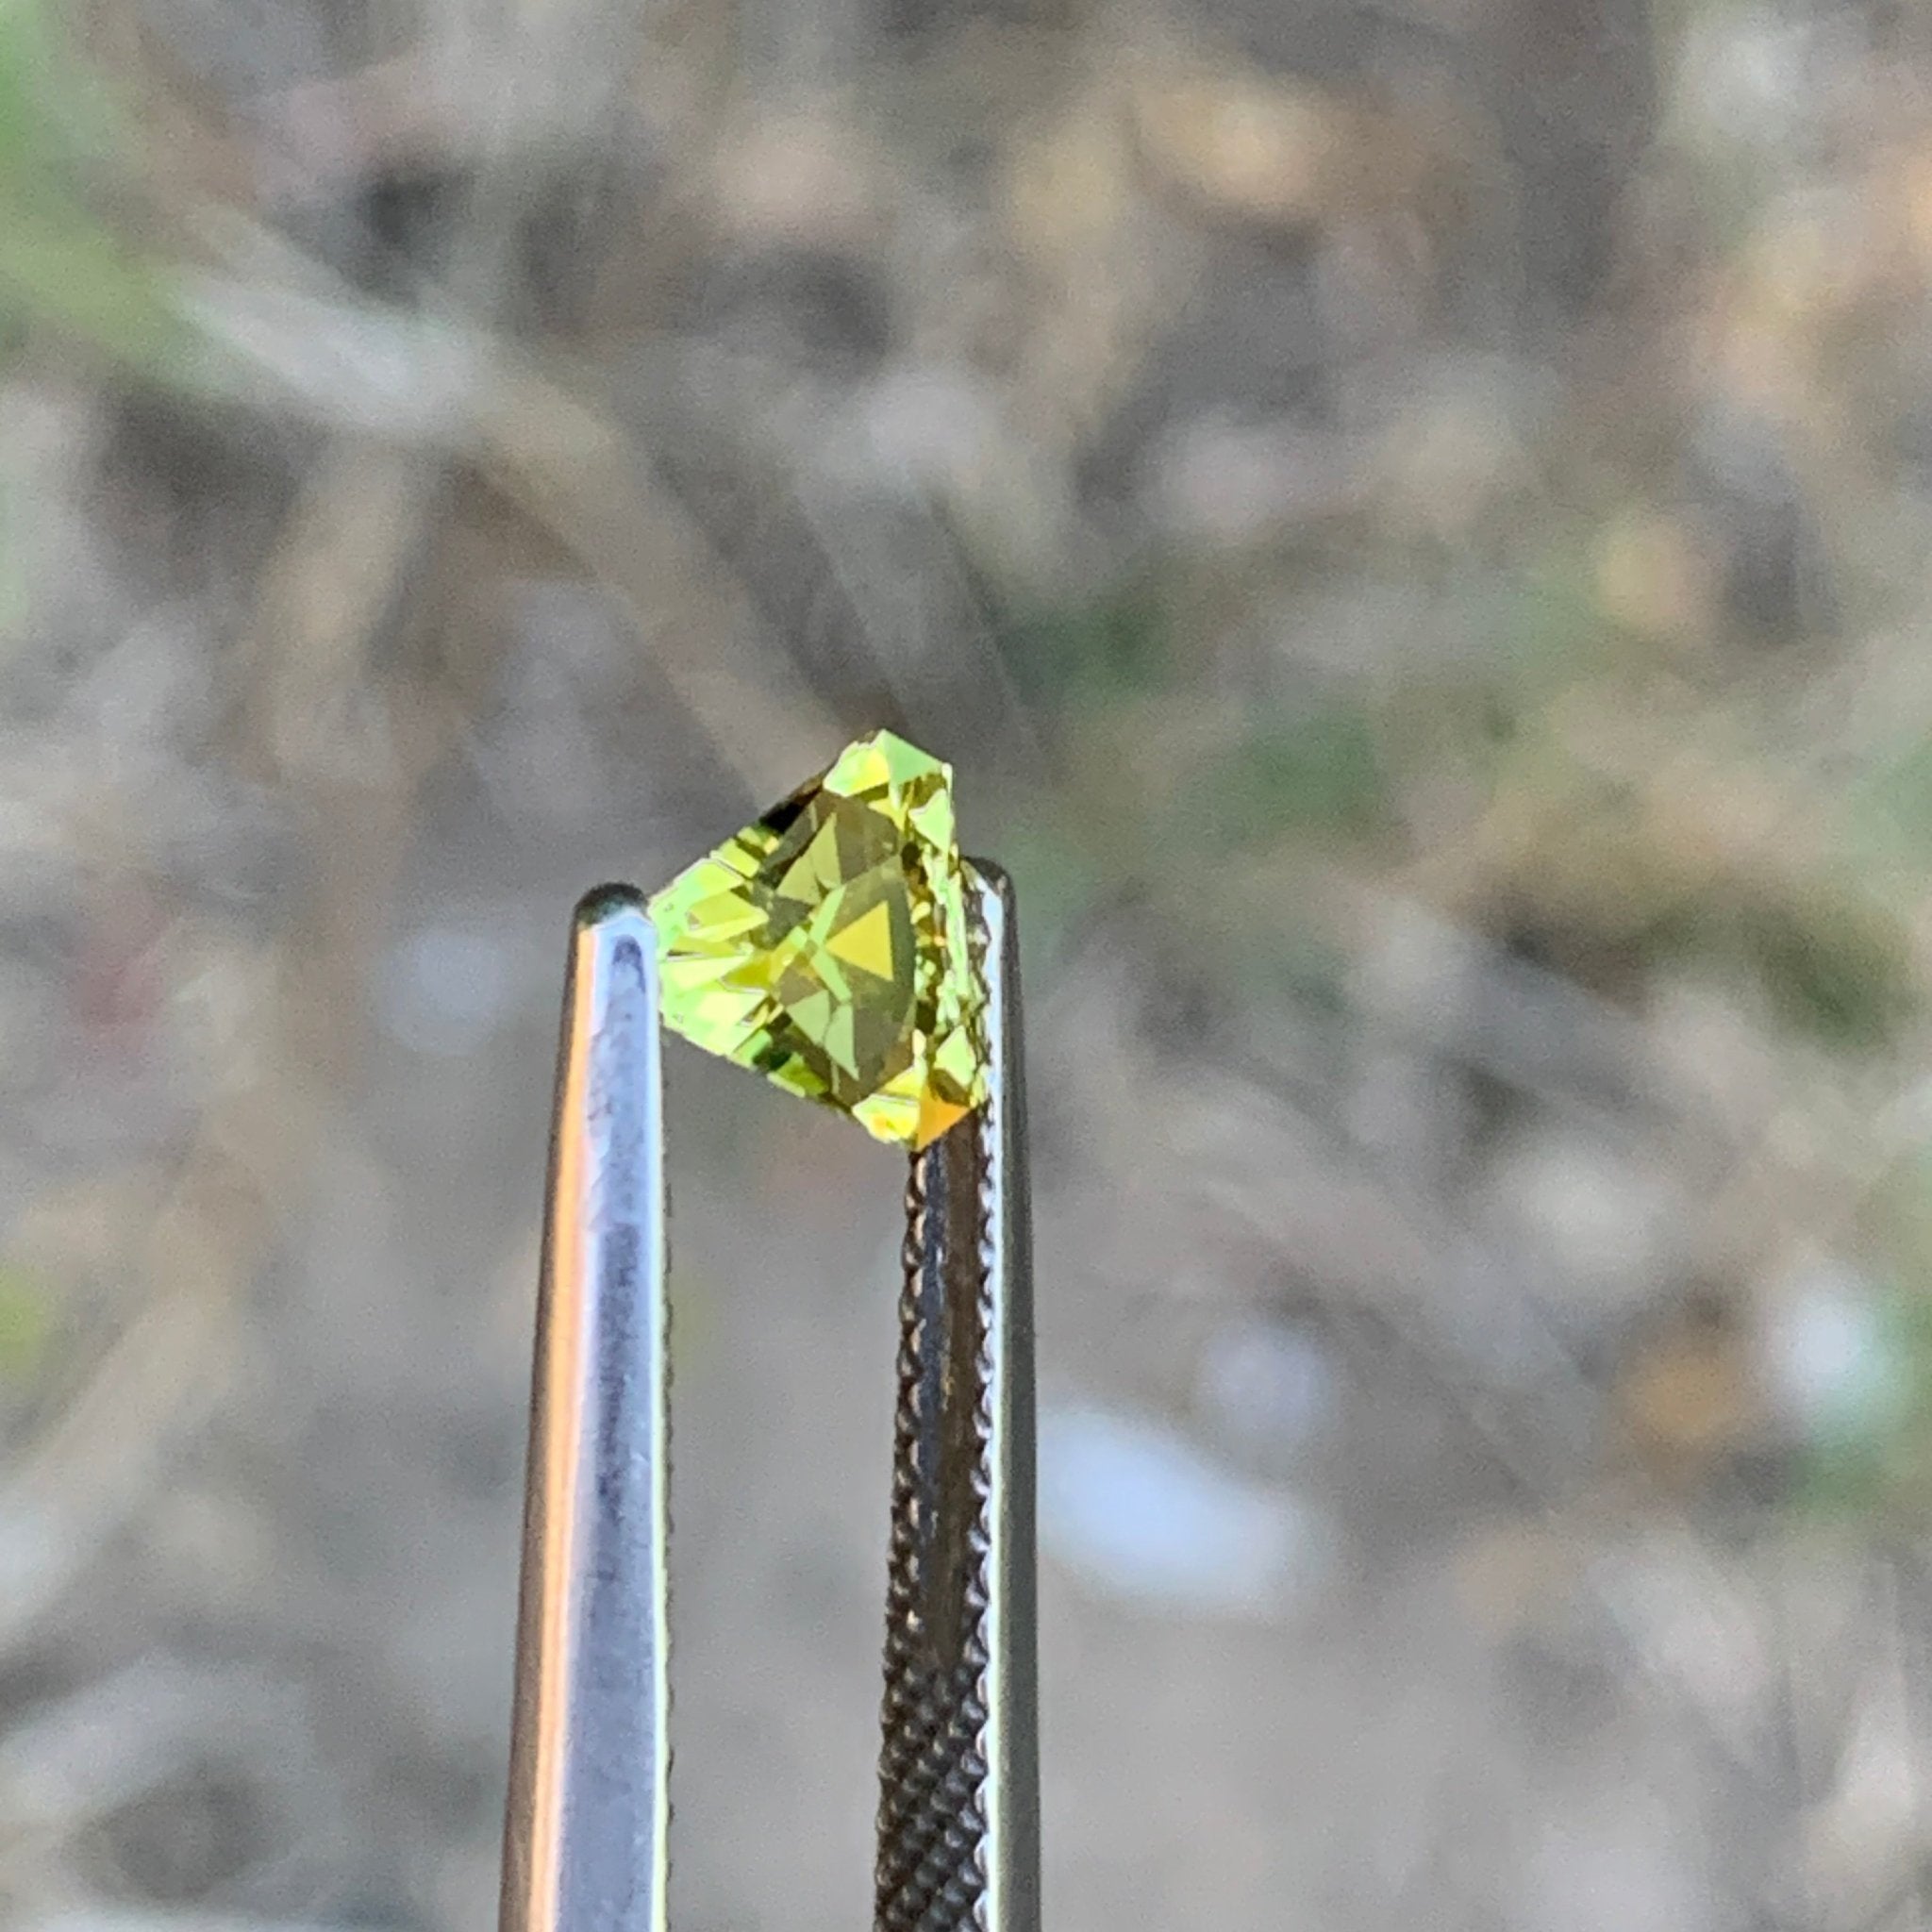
(1412, 522)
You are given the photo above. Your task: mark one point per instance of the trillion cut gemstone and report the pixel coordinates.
(827, 946)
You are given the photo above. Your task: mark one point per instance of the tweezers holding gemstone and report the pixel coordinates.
(840, 946)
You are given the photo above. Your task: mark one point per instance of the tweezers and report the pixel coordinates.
(587, 1843)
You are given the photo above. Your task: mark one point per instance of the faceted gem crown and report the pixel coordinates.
(829, 946)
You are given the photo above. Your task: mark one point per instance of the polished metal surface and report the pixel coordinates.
(585, 1846)
(958, 1842)
(585, 1840)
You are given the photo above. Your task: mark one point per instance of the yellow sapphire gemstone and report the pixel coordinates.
(827, 946)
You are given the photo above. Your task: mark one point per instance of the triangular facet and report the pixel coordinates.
(827, 946)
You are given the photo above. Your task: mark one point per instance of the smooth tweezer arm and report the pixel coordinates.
(585, 1846)
(585, 1840)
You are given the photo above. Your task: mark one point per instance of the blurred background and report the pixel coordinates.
(1410, 517)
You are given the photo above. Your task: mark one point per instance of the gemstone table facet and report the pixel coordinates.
(827, 946)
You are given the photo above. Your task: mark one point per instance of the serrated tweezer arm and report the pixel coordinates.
(958, 1841)
(585, 1846)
